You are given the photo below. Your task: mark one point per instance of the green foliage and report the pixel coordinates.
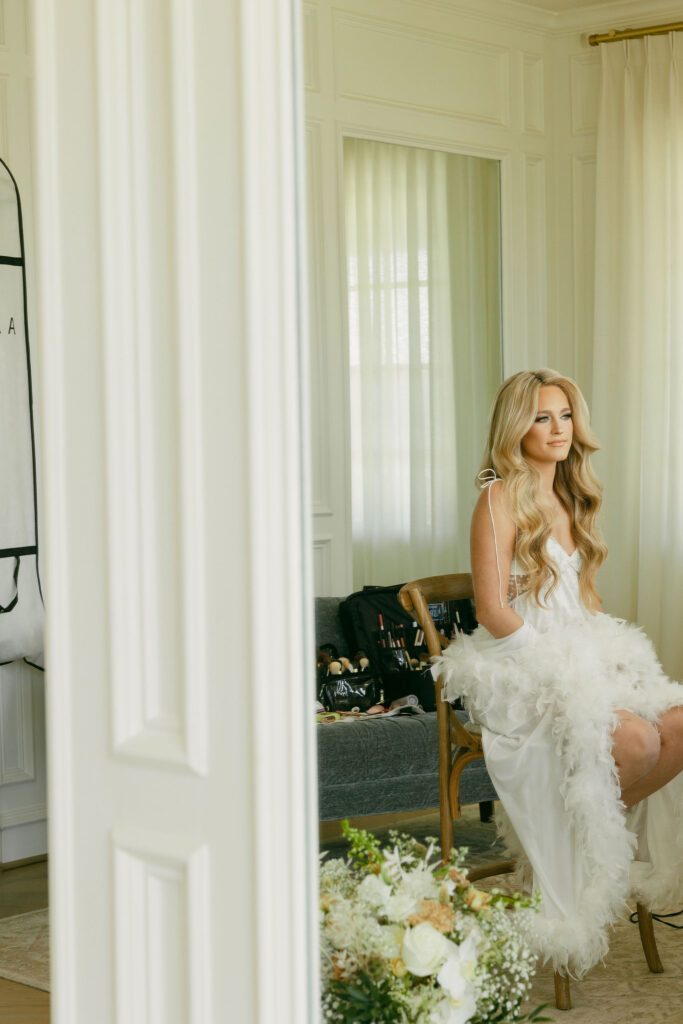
(365, 850)
(504, 1016)
(364, 1001)
(534, 1015)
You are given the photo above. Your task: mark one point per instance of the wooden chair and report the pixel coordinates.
(460, 743)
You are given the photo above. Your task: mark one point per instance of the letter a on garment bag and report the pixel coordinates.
(21, 604)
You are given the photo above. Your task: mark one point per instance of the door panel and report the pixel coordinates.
(182, 852)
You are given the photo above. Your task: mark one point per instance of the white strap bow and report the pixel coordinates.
(486, 477)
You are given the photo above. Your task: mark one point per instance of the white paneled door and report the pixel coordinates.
(169, 233)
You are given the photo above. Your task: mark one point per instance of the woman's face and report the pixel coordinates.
(550, 437)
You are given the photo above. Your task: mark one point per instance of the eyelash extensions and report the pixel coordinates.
(564, 416)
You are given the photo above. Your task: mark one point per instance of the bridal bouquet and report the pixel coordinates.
(406, 939)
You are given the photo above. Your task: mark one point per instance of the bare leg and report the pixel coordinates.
(636, 748)
(668, 764)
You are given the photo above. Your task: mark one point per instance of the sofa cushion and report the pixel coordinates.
(371, 766)
(328, 627)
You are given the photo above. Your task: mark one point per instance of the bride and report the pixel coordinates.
(582, 731)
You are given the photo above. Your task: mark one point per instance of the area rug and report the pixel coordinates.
(25, 949)
(623, 991)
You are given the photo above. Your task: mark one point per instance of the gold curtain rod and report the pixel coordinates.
(634, 33)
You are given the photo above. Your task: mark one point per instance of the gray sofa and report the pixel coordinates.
(371, 766)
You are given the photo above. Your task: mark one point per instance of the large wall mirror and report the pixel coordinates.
(423, 279)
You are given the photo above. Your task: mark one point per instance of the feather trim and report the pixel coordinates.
(580, 674)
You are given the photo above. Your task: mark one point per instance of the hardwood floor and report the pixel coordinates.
(21, 890)
(20, 1004)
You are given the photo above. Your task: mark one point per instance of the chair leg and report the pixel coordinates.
(460, 761)
(446, 819)
(647, 937)
(563, 999)
(486, 811)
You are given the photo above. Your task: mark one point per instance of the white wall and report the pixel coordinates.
(23, 810)
(573, 77)
(491, 78)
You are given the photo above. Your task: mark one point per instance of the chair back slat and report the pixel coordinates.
(420, 609)
(416, 596)
(455, 587)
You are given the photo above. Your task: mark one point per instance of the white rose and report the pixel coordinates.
(424, 949)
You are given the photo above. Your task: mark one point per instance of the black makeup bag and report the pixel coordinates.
(376, 623)
(356, 691)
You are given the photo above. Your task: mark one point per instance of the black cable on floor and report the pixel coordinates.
(633, 918)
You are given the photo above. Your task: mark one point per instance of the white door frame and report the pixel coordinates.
(200, 792)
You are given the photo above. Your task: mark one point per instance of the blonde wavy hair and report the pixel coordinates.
(514, 411)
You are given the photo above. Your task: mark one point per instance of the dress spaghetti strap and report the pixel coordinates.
(487, 478)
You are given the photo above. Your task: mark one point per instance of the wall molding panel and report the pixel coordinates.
(321, 467)
(628, 14)
(322, 563)
(536, 258)
(17, 763)
(585, 92)
(489, 16)
(583, 250)
(162, 929)
(24, 839)
(23, 815)
(5, 85)
(378, 61)
(149, 251)
(533, 69)
(311, 48)
(23, 784)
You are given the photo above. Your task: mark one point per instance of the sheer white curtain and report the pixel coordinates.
(422, 243)
(638, 369)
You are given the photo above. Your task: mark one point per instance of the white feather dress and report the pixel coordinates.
(546, 698)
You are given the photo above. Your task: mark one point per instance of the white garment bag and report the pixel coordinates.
(21, 603)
